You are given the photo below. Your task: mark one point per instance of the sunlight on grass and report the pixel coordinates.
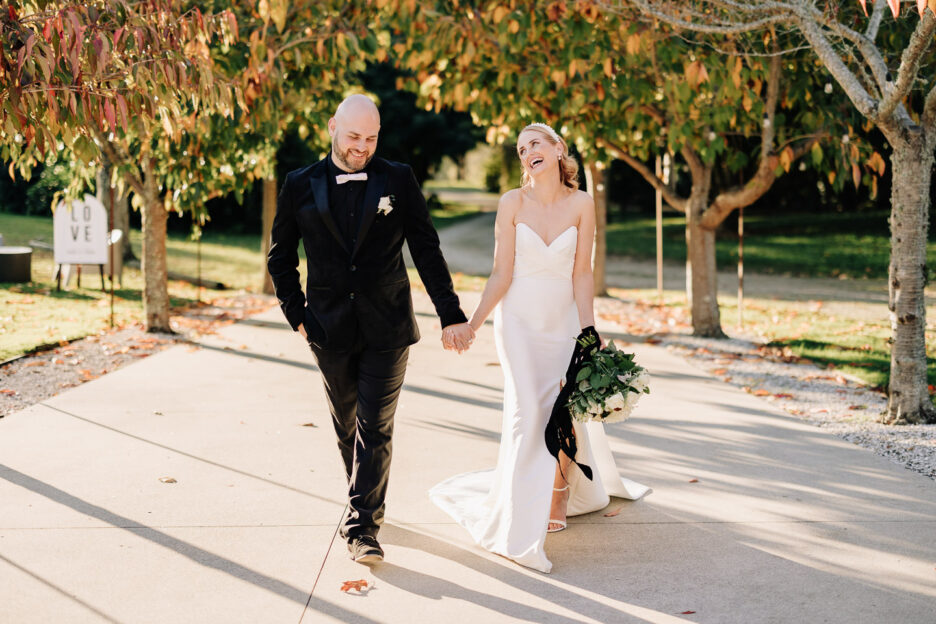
(829, 245)
(35, 315)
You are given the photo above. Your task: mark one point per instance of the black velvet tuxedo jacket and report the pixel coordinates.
(364, 289)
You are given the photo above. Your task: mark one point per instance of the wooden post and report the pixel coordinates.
(740, 268)
(659, 232)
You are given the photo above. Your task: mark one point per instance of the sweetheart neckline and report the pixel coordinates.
(550, 244)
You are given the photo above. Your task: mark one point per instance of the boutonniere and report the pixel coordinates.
(386, 204)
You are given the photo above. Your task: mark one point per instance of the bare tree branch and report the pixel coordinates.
(877, 15)
(929, 112)
(669, 195)
(920, 41)
(118, 157)
(830, 58)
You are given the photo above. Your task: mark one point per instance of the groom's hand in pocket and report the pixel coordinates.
(302, 330)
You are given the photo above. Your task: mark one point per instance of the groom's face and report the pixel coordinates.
(354, 139)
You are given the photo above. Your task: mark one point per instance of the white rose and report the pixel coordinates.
(615, 402)
(384, 206)
(641, 381)
(593, 408)
(631, 402)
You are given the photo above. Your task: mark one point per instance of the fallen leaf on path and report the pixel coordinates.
(37, 363)
(611, 514)
(355, 585)
(168, 480)
(8, 392)
(652, 341)
(687, 613)
(719, 371)
(309, 425)
(761, 392)
(693, 480)
(783, 395)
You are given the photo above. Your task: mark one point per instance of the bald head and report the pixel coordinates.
(354, 130)
(358, 107)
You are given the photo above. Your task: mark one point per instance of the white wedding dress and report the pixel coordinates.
(506, 510)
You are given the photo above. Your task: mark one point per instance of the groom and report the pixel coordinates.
(353, 212)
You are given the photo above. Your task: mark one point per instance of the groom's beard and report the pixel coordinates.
(346, 161)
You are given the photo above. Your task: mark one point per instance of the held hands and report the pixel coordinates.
(457, 337)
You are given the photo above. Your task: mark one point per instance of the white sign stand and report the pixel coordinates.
(80, 235)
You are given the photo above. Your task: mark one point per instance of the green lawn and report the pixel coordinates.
(856, 245)
(34, 315)
(834, 335)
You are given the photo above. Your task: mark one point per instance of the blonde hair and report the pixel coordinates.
(568, 168)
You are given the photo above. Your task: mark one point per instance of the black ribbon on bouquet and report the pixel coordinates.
(560, 435)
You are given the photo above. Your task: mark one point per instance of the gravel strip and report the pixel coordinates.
(826, 398)
(35, 378)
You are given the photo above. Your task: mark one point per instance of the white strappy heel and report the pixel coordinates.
(562, 523)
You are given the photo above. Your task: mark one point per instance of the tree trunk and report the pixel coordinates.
(121, 210)
(595, 175)
(912, 162)
(701, 273)
(269, 211)
(155, 275)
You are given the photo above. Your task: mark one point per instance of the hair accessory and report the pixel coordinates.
(547, 129)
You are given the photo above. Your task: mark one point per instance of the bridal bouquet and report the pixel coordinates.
(608, 385)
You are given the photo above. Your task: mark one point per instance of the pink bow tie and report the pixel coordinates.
(345, 177)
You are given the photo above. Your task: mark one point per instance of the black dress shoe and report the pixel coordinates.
(365, 549)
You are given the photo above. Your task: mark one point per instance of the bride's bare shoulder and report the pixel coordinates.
(582, 200)
(510, 201)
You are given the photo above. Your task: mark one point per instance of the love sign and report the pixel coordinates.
(80, 230)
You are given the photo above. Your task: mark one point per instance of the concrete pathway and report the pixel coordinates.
(755, 516)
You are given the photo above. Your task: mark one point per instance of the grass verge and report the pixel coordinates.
(35, 315)
(823, 245)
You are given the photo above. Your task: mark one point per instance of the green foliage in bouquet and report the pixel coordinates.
(608, 385)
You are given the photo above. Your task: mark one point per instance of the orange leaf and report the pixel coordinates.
(761, 392)
(8, 392)
(693, 480)
(611, 514)
(355, 585)
(719, 371)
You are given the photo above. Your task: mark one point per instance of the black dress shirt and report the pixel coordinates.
(346, 202)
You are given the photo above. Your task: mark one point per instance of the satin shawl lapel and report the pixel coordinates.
(376, 183)
(320, 191)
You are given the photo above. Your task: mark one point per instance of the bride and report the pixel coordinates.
(541, 292)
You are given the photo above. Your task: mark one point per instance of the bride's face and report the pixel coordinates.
(537, 153)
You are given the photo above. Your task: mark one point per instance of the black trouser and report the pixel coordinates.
(362, 386)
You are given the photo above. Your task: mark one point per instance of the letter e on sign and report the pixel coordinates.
(80, 230)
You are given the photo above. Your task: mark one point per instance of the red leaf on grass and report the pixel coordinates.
(611, 514)
(355, 585)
